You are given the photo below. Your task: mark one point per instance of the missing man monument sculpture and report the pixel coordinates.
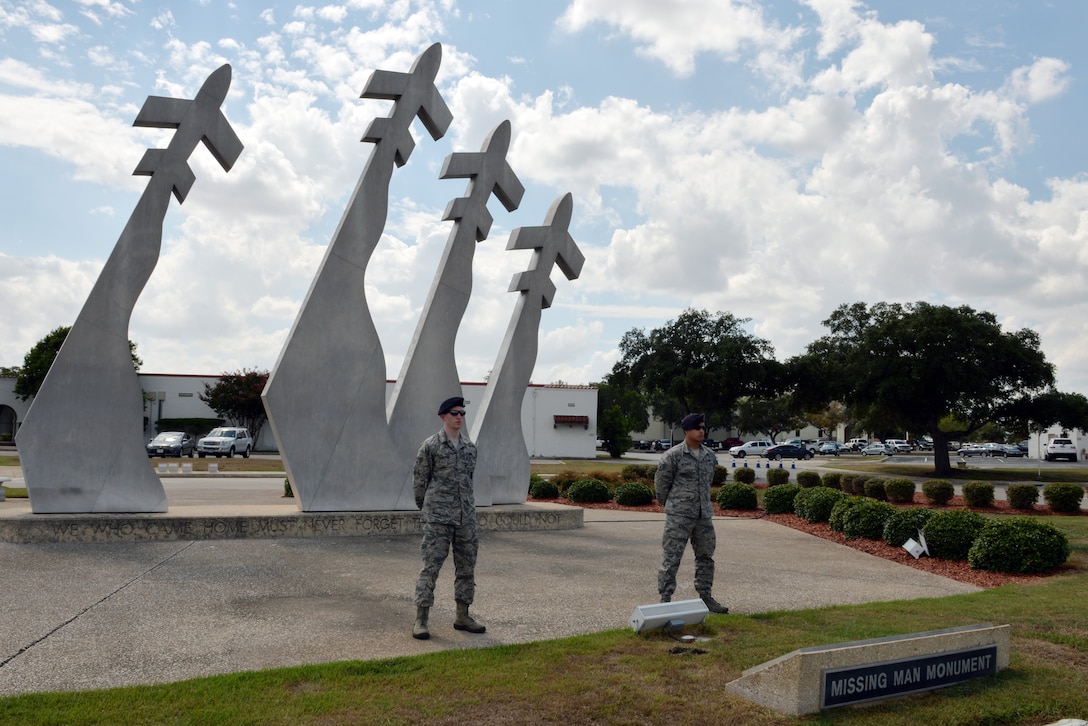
(343, 446)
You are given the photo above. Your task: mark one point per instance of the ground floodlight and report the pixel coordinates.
(913, 547)
(673, 615)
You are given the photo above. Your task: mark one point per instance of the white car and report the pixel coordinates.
(1061, 449)
(225, 441)
(900, 446)
(830, 447)
(750, 448)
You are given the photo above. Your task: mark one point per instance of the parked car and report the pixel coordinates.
(787, 451)
(600, 443)
(900, 446)
(857, 444)
(225, 441)
(832, 448)
(1013, 450)
(750, 448)
(810, 445)
(1061, 449)
(972, 450)
(878, 449)
(172, 443)
(662, 444)
(731, 442)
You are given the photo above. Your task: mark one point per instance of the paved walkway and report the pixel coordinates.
(82, 616)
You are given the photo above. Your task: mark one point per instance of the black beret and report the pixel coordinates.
(450, 403)
(691, 421)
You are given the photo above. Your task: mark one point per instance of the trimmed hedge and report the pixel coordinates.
(978, 494)
(779, 500)
(1018, 544)
(809, 479)
(589, 490)
(864, 518)
(744, 475)
(543, 489)
(938, 491)
(815, 504)
(721, 476)
(1022, 496)
(874, 489)
(832, 480)
(634, 494)
(900, 491)
(737, 495)
(1063, 496)
(904, 524)
(950, 534)
(778, 477)
(636, 472)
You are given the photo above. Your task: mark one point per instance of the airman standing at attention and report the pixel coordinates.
(683, 480)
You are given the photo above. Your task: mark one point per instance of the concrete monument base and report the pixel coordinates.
(19, 525)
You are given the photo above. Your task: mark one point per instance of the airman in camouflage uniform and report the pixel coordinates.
(683, 480)
(442, 484)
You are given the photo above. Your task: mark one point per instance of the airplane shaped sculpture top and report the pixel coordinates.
(81, 444)
(326, 395)
(502, 461)
(429, 373)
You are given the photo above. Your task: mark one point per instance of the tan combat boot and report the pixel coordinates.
(464, 621)
(419, 629)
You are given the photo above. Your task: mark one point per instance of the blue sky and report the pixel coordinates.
(772, 160)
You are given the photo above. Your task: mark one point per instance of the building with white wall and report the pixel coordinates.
(558, 420)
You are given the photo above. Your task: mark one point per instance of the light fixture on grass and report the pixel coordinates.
(670, 615)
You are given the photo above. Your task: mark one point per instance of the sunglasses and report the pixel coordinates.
(456, 413)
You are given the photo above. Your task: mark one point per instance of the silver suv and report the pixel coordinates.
(225, 441)
(751, 448)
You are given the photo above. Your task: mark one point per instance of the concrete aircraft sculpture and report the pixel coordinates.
(81, 444)
(502, 462)
(325, 397)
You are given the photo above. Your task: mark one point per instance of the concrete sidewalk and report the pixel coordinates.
(83, 616)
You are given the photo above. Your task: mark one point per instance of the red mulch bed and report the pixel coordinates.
(954, 569)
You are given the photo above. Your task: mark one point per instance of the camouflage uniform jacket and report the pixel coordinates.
(442, 480)
(683, 481)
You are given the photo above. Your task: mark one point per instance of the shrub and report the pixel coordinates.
(564, 479)
(737, 495)
(866, 519)
(612, 478)
(543, 489)
(779, 500)
(721, 476)
(744, 475)
(950, 534)
(589, 490)
(634, 494)
(1063, 496)
(938, 491)
(839, 511)
(846, 482)
(904, 524)
(854, 484)
(899, 490)
(778, 477)
(1023, 496)
(978, 494)
(1018, 544)
(638, 472)
(287, 490)
(874, 489)
(831, 480)
(814, 505)
(809, 479)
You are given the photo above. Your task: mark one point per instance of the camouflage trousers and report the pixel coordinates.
(438, 539)
(678, 531)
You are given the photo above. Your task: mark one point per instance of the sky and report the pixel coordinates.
(773, 160)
